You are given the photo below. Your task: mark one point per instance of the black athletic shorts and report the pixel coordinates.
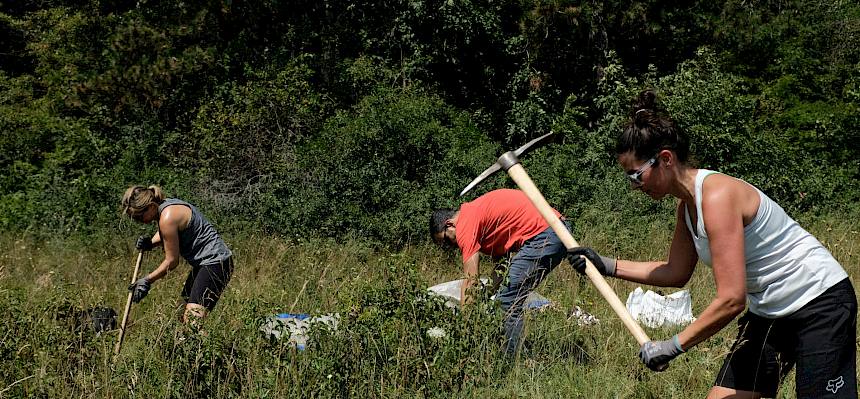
(820, 339)
(205, 283)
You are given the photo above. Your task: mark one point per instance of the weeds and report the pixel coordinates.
(382, 347)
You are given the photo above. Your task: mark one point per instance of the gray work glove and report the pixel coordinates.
(657, 354)
(143, 243)
(606, 266)
(139, 289)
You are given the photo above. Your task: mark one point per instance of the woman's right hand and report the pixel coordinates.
(144, 243)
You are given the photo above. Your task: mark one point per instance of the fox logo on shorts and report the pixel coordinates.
(834, 384)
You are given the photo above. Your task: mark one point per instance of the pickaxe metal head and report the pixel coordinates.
(507, 160)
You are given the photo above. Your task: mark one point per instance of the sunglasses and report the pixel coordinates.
(636, 177)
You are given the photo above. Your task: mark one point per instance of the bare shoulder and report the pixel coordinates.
(175, 215)
(723, 193)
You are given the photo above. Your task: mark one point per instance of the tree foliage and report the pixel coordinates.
(332, 118)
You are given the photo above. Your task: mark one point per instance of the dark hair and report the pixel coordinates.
(438, 219)
(650, 130)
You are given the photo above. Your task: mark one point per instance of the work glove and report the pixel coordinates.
(139, 289)
(606, 266)
(657, 354)
(144, 243)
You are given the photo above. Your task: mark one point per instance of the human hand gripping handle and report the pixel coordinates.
(144, 243)
(656, 355)
(576, 257)
(139, 289)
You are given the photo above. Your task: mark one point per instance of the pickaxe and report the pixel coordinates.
(510, 162)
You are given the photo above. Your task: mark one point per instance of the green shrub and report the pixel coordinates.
(380, 169)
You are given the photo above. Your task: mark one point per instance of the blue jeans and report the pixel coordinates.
(537, 257)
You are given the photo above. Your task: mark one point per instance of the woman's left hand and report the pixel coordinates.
(657, 354)
(139, 289)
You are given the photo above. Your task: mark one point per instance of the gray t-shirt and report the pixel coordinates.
(199, 243)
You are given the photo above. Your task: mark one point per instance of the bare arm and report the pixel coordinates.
(168, 235)
(156, 239)
(470, 269)
(724, 222)
(675, 271)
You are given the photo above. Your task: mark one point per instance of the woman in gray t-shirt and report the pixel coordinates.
(182, 232)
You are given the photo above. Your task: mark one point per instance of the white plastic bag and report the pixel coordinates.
(655, 310)
(450, 290)
(295, 326)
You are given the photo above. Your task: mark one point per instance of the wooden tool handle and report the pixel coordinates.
(127, 305)
(525, 183)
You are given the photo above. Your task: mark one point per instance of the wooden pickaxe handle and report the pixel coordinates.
(127, 306)
(525, 183)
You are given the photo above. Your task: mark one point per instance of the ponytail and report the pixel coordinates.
(137, 198)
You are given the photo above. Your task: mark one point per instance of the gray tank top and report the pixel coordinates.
(199, 243)
(786, 267)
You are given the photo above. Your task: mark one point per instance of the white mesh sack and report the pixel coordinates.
(655, 310)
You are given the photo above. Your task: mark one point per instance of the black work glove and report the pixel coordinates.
(606, 266)
(144, 243)
(139, 289)
(657, 354)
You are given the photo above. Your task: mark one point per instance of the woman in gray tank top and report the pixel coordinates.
(182, 232)
(802, 306)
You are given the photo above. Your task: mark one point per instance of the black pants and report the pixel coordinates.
(819, 338)
(205, 283)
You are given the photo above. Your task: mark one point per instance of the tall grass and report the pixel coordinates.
(380, 348)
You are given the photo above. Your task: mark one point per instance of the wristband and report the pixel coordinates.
(677, 343)
(610, 264)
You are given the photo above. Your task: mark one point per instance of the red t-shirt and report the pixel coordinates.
(497, 222)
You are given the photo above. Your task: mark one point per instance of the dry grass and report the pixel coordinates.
(40, 278)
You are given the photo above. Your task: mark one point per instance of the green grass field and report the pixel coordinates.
(380, 348)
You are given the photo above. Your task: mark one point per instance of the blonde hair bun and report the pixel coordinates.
(137, 198)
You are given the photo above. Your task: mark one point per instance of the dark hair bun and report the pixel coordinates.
(650, 130)
(647, 100)
(644, 107)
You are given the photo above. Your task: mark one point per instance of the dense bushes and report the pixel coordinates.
(358, 119)
(379, 169)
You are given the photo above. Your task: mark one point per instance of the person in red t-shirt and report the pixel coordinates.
(495, 224)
